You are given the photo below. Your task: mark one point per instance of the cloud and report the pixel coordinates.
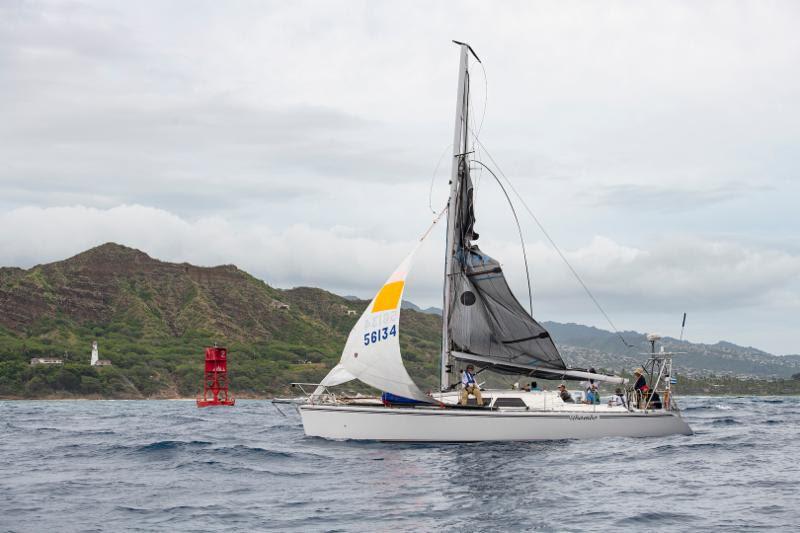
(295, 255)
(669, 199)
(702, 274)
(260, 127)
(705, 275)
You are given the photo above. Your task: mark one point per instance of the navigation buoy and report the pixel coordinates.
(215, 384)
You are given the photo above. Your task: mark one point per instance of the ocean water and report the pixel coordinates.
(169, 466)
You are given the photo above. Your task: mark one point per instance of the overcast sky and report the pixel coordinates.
(657, 142)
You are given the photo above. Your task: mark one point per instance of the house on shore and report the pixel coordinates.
(46, 361)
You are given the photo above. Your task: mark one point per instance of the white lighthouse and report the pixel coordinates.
(95, 355)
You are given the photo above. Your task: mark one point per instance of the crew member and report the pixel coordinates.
(592, 395)
(640, 388)
(641, 382)
(617, 399)
(564, 394)
(470, 386)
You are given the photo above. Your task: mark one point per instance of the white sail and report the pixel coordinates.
(336, 376)
(372, 351)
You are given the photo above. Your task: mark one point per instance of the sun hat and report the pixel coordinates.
(639, 371)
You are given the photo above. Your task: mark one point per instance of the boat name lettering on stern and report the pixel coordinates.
(583, 417)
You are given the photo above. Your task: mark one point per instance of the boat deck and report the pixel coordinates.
(498, 400)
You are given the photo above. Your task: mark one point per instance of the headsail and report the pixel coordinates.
(372, 351)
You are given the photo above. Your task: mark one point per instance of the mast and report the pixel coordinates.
(459, 149)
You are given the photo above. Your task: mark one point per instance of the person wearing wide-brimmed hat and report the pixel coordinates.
(641, 382)
(640, 387)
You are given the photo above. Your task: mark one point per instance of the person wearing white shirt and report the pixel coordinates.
(617, 399)
(470, 386)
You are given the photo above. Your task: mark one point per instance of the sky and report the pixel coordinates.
(306, 142)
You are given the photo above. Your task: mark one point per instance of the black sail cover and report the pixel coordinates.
(485, 319)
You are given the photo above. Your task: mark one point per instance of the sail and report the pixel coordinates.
(484, 317)
(483, 322)
(336, 376)
(372, 351)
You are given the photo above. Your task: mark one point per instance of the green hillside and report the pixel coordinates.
(152, 319)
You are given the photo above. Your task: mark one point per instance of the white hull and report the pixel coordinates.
(342, 422)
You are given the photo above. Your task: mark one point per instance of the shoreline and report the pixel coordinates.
(266, 398)
(57, 398)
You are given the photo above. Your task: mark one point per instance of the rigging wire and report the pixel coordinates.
(447, 148)
(476, 133)
(554, 245)
(476, 178)
(519, 230)
(435, 221)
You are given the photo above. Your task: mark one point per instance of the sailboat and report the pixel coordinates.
(483, 325)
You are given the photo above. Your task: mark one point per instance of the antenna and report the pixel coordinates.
(652, 338)
(683, 325)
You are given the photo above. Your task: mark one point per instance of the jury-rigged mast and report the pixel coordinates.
(482, 321)
(460, 143)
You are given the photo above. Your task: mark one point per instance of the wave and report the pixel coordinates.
(169, 445)
(240, 450)
(727, 421)
(715, 407)
(720, 445)
(660, 518)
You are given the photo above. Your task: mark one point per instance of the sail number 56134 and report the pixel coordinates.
(380, 334)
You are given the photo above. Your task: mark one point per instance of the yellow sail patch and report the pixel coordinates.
(389, 297)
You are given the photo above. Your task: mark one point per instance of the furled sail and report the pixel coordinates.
(484, 317)
(372, 351)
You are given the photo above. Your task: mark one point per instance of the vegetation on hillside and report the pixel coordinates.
(168, 367)
(153, 319)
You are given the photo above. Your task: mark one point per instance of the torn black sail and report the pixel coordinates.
(487, 320)
(484, 317)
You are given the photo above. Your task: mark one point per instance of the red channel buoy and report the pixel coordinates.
(215, 384)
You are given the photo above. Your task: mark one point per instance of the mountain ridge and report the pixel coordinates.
(153, 318)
